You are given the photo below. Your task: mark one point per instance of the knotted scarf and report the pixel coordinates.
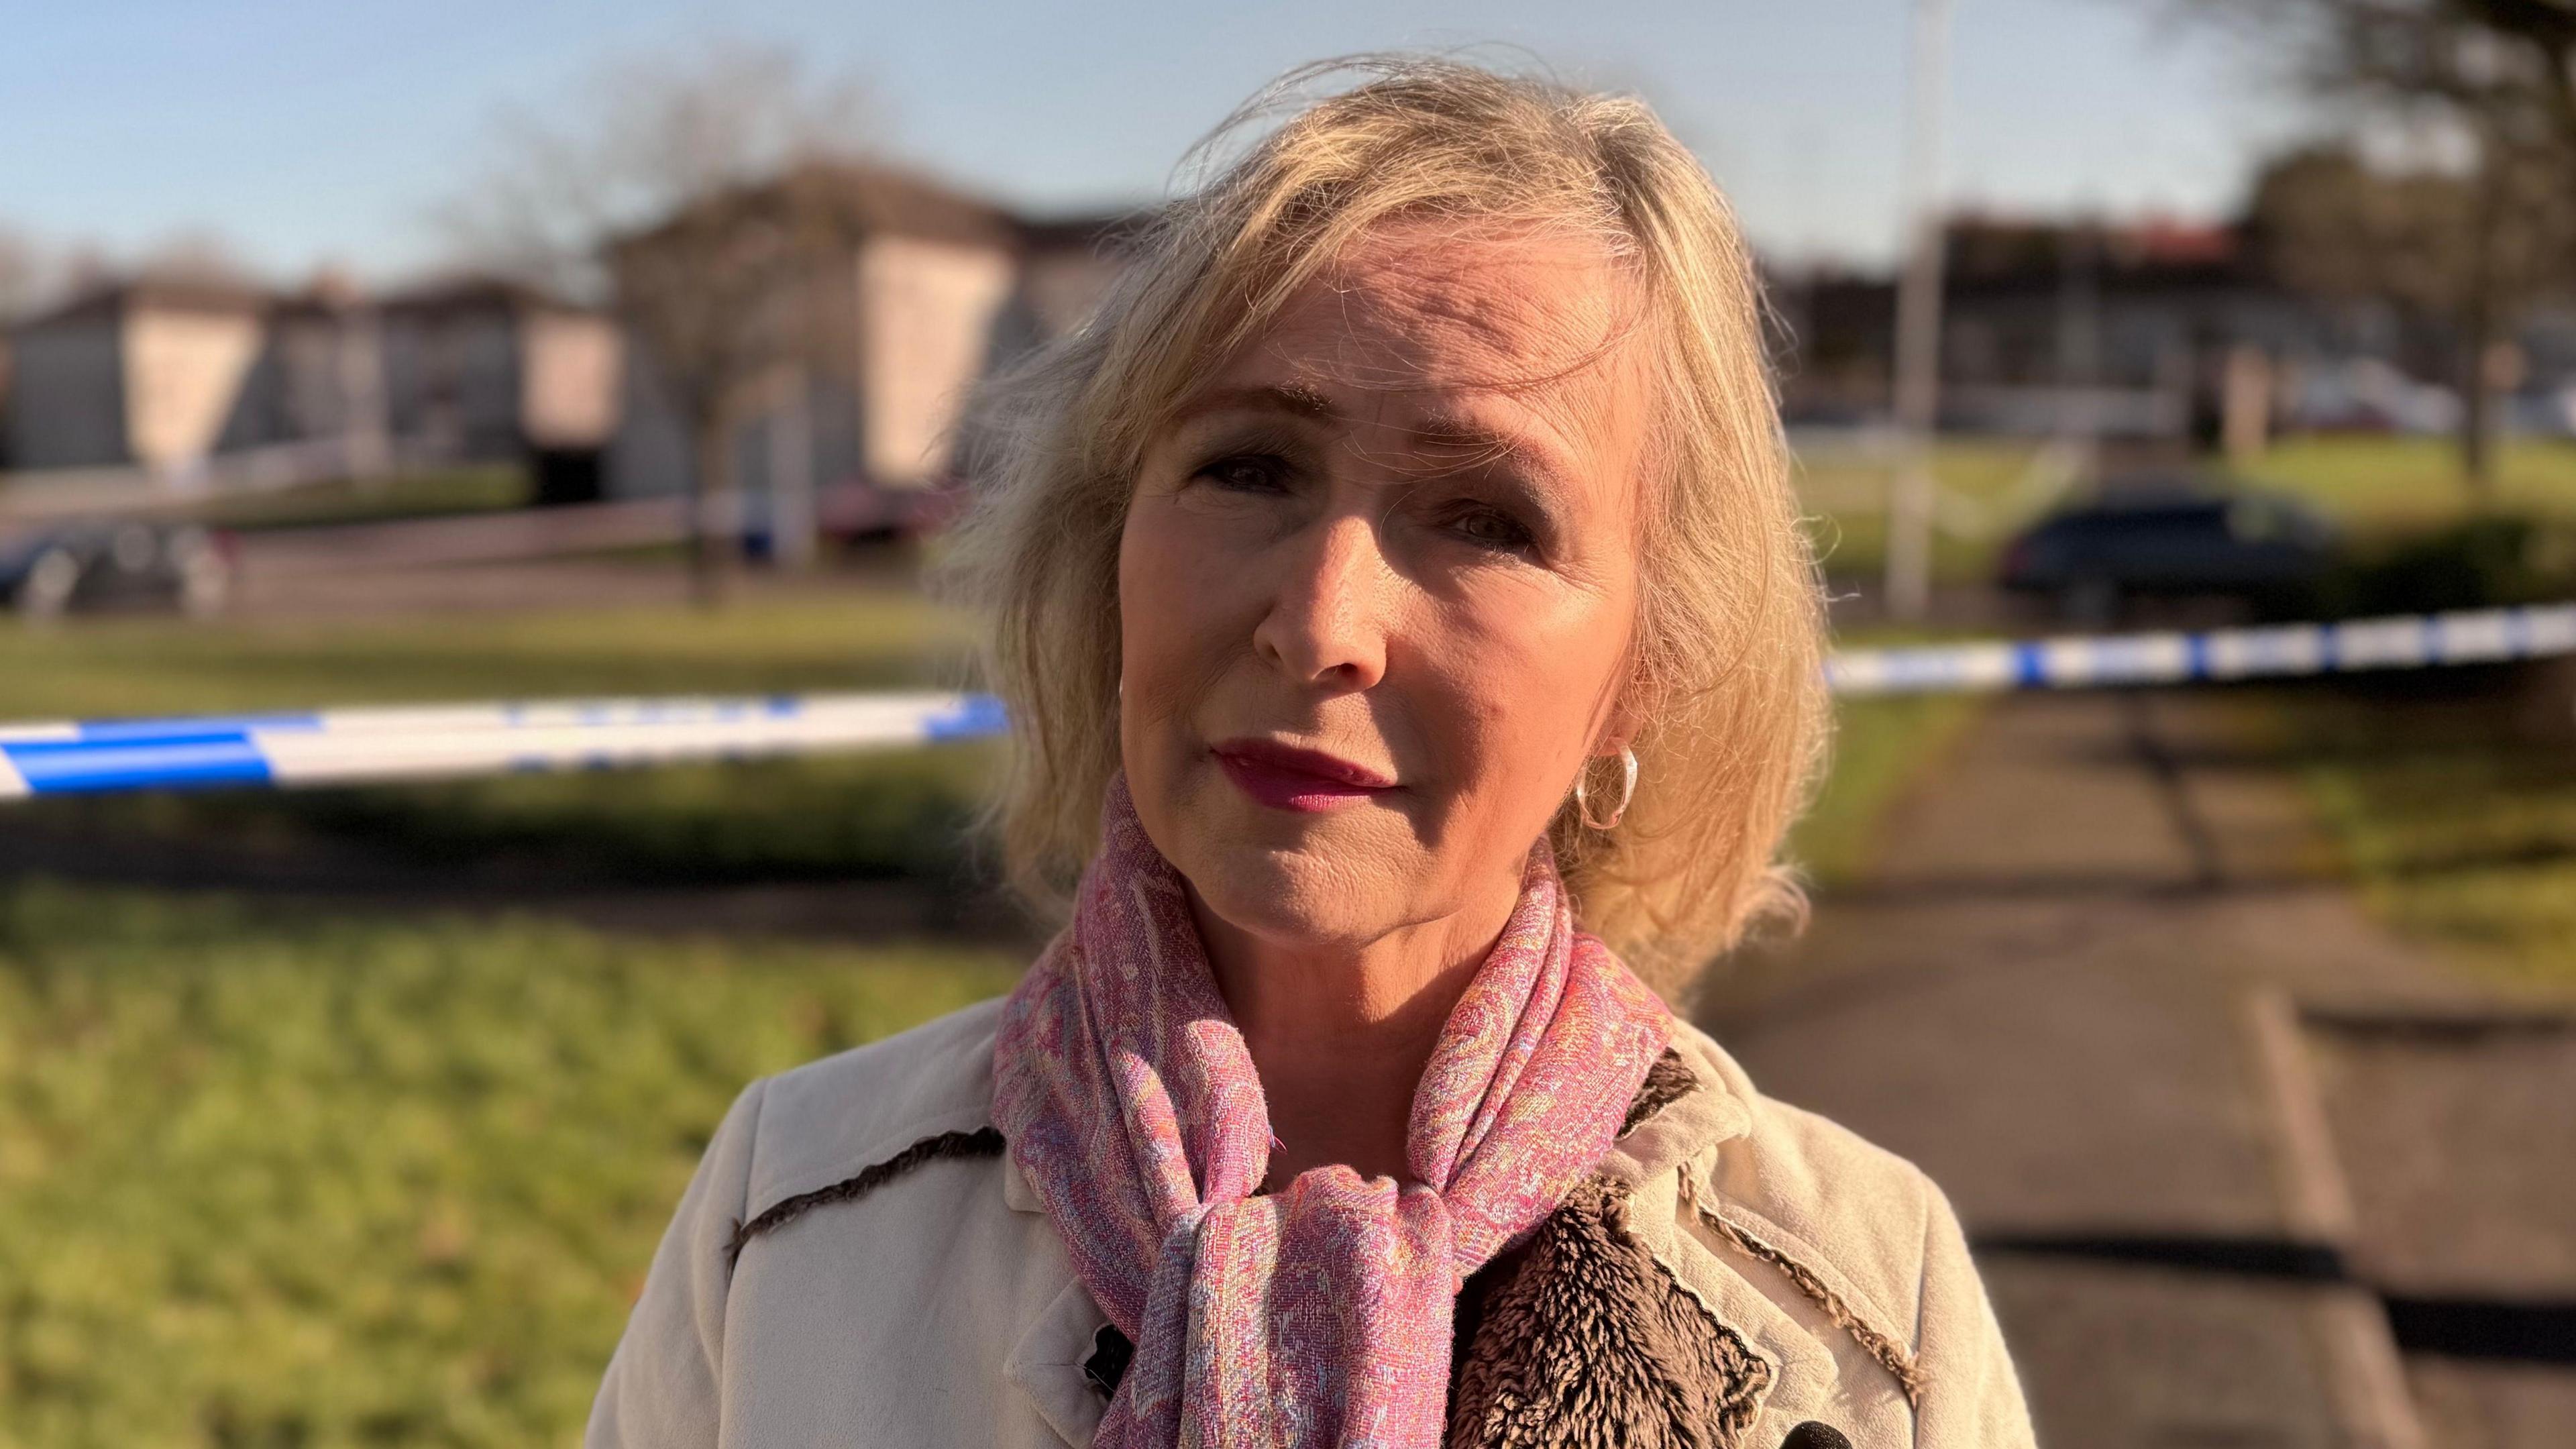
(1320, 1314)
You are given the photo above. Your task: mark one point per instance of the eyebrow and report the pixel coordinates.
(1443, 430)
(1283, 397)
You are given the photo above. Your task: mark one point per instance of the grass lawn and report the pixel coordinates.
(2456, 813)
(297, 1180)
(2383, 486)
(1846, 498)
(856, 639)
(483, 488)
(2380, 488)
(1881, 747)
(272, 1177)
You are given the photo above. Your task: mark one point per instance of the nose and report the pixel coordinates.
(1326, 624)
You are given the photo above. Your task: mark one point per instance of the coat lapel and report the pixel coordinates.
(1047, 1362)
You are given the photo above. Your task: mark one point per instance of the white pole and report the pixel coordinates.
(1918, 319)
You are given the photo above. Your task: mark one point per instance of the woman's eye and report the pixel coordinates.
(1492, 528)
(1247, 473)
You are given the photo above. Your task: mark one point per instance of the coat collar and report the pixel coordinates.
(1686, 1132)
(1016, 1192)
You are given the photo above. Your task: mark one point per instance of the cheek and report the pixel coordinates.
(1150, 561)
(1531, 673)
(1176, 605)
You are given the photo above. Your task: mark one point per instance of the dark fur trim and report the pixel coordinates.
(1583, 1339)
(982, 1142)
(1668, 1081)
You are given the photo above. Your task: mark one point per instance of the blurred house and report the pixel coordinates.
(153, 372)
(2157, 329)
(325, 371)
(914, 292)
(482, 369)
(196, 379)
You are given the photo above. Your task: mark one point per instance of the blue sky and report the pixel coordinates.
(304, 131)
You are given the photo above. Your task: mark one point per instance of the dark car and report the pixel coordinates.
(2261, 552)
(57, 569)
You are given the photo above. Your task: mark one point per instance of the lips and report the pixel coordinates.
(1285, 777)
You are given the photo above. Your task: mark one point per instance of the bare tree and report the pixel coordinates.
(689, 194)
(2499, 75)
(2503, 70)
(2462, 252)
(2509, 63)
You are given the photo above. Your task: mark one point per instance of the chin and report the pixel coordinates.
(1288, 917)
(1316, 880)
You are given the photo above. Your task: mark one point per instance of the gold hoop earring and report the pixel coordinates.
(1627, 789)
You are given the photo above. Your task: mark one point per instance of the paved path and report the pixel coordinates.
(2081, 990)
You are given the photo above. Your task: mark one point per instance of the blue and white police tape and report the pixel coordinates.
(2413, 641)
(351, 746)
(354, 746)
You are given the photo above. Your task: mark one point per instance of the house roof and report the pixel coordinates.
(329, 296)
(168, 292)
(869, 198)
(1088, 232)
(472, 292)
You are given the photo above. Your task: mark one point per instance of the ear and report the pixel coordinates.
(1620, 729)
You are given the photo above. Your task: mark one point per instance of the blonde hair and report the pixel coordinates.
(1726, 681)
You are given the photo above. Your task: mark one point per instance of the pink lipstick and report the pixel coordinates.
(1285, 777)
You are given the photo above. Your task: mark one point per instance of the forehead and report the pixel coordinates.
(1424, 307)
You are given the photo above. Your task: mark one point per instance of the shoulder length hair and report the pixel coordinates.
(1725, 674)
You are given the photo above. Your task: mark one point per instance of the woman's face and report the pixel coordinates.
(1377, 584)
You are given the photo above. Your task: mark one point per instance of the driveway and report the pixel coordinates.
(2213, 1131)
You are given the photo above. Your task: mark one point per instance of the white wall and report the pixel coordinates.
(184, 373)
(568, 379)
(921, 320)
(925, 311)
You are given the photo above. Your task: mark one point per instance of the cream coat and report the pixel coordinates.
(940, 1309)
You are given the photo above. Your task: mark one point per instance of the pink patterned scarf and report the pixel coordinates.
(1319, 1315)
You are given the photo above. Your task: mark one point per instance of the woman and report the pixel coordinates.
(1399, 570)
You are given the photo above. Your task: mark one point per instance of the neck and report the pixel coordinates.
(1341, 1034)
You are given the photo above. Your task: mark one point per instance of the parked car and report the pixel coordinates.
(2172, 539)
(129, 565)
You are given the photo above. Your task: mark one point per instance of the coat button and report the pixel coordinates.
(1815, 1435)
